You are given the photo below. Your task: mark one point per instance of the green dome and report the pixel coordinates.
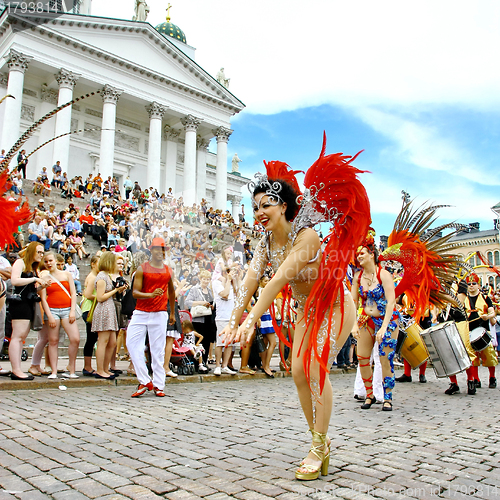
(169, 29)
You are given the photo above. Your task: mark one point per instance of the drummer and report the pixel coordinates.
(425, 322)
(457, 315)
(480, 310)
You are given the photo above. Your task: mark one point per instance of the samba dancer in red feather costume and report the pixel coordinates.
(310, 273)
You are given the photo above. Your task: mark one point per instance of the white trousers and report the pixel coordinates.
(359, 386)
(155, 325)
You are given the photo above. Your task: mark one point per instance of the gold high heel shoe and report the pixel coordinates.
(322, 452)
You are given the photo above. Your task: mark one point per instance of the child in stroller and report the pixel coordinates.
(192, 339)
(184, 355)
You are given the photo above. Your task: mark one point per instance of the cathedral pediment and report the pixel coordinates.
(139, 48)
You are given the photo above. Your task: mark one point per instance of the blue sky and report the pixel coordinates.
(413, 84)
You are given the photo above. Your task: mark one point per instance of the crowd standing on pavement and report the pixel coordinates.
(206, 250)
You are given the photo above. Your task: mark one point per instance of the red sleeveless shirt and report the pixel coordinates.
(153, 278)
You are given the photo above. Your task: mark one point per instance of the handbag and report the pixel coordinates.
(90, 314)
(128, 301)
(120, 317)
(37, 323)
(259, 342)
(199, 311)
(78, 310)
(85, 305)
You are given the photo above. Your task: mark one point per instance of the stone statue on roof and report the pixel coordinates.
(221, 78)
(234, 163)
(141, 11)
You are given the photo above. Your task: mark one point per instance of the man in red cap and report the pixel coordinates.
(479, 313)
(153, 289)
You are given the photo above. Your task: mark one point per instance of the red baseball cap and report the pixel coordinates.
(157, 242)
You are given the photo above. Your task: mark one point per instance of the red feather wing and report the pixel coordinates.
(340, 198)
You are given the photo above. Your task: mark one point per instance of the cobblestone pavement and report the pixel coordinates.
(243, 439)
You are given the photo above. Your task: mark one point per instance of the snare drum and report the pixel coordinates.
(413, 349)
(446, 349)
(480, 338)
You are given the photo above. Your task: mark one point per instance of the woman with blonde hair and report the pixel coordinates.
(59, 302)
(104, 320)
(201, 295)
(27, 283)
(224, 262)
(118, 279)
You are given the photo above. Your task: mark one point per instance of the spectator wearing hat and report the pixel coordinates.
(41, 205)
(153, 290)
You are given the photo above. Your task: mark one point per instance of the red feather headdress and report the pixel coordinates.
(430, 269)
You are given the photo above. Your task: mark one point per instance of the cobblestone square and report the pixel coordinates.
(243, 439)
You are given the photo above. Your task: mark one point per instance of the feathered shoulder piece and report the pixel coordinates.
(429, 268)
(14, 213)
(334, 195)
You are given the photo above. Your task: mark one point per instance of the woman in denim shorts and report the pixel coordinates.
(59, 302)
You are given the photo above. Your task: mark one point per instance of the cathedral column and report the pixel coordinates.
(236, 202)
(156, 112)
(47, 130)
(18, 64)
(201, 168)
(171, 135)
(189, 176)
(67, 81)
(222, 135)
(110, 97)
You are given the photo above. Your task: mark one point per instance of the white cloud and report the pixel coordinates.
(423, 146)
(287, 54)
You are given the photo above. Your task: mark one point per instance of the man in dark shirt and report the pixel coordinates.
(479, 313)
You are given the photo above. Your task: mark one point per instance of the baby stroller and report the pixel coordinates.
(180, 361)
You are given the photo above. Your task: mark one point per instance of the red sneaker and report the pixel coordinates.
(141, 389)
(159, 392)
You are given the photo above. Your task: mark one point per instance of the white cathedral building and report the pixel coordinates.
(153, 120)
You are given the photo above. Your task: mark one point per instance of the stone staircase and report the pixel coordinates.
(92, 247)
